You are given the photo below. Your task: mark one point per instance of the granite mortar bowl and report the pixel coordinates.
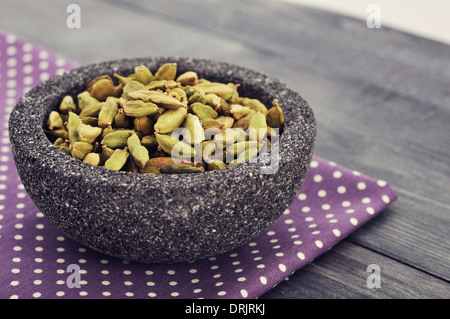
(162, 218)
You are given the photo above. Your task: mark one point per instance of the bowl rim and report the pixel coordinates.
(34, 144)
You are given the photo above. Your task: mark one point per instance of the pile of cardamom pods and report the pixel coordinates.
(162, 123)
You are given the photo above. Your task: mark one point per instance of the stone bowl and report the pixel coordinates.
(163, 218)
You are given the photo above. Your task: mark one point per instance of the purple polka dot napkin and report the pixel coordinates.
(39, 261)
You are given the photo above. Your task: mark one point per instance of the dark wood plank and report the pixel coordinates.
(341, 273)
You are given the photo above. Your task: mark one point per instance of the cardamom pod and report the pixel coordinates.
(117, 159)
(121, 120)
(101, 87)
(216, 164)
(106, 153)
(204, 111)
(143, 125)
(237, 148)
(57, 133)
(212, 123)
(227, 121)
(89, 120)
(275, 116)
(143, 74)
(139, 108)
(159, 98)
(188, 78)
(256, 105)
(132, 86)
(175, 147)
(80, 149)
(162, 85)
(257, 128)
(72, 127)
(88, 133)
(92, 109)
(170, 120)
(167, 71)
(180, 168)
(194, 126)
(220, 89)
(235, 96)
(137, 151)
(85, 99)
(239, 111)
(198, 96)
(149, 141)
(92, 158)
(108, 112)
(117, 139)
(54, 121)
(124, 80)
(244, 122)
(67, 105)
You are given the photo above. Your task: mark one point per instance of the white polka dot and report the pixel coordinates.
(361, 185)
(27, 47)
(11, 38)
(314, 164)
(386, 199)
(44, 76)
(353, 221)
(11, 62)
(43, 65)
(341, 189)
(337, 174)
(381, 183)
(282, 267)
(326, 207)
(306, 209)
(244, 293)
(336, 232)
(301, 256)
(43, 55)
(370, 210)
(322, 193)
(27, 69)
(318, 243)
(302, 196)
(60, 62)
(222, 293)
(317, 178)
(27, 57)
(37, 295)
(366, 200)
(346, 203)
(263, 280)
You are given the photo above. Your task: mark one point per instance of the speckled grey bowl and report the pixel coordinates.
(160, 218)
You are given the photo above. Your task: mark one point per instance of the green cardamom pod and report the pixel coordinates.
(149, 141)
(235, 96)
(89, 120)
(198, 96)
(85, 99)
(124, 80)
(170, 120)
(143, 74)
(137, 151)
(237, 148)
(180, 168)
(256, 105)
(54, 121)
(80, 149)
(92, 109)
(194, 126)
(175, 147)
(88, 133)
(121, 120)
(132, 86)
(138, 108)
(275, 116)
(203, 111)
(72, 126)
(106, 153)
(143, 125)
(228, 136)
(212, 124)
(216, 165)
(188, 78)
(92, 158)
(67, 105)
(244, 122)
(167, 71)
(57, 133)
(162, 85)
(220, 89)
(101, 87)
(239, 111)
(117, 139)
(118, 159)
(108, 112)
(159, 98)
(227, 121)
(257, 128)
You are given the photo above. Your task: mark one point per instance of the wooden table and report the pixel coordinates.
(381, 97)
